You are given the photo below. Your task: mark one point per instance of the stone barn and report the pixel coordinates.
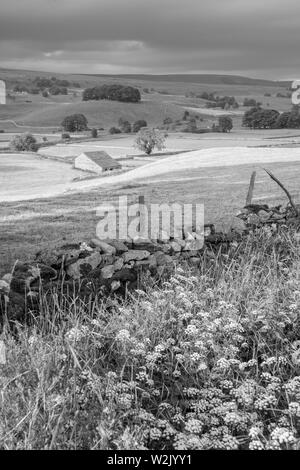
(96, 162)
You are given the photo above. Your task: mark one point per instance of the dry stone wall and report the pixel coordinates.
(108, 267)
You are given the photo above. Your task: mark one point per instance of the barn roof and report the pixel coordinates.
(103, 159)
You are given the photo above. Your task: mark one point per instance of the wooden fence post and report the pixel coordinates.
(251, 188)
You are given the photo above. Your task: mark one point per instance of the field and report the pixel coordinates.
(54, 165)
(32, 176)
(29, 225)
(123, 145)
(42, 205)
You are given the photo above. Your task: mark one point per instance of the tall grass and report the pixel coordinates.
(208, 359)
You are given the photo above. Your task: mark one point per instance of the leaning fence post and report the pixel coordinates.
(251, 188)
(285, 190)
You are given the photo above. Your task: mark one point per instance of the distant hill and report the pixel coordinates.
(213, 79)
(201, 78)
(163, 96)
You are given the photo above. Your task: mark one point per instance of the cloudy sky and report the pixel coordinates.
(257, 38)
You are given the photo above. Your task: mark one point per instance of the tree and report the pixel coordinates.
(294, 119)
(147, 139)
(139, 125)
(124, 126)
(42, 82)
(282, 121)
(225, 124)
(258, 118)
(248, 117)
(20, 89)
(114, 130)
(24, 143)
(115, 92)
(204, 95)
(63, 83)
(250, 102)
(75, 123)
(56, 90)
(92, 94)
(94, 133)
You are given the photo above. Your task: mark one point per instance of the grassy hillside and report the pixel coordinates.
(166, 97)
(99, 113)
(154, 108)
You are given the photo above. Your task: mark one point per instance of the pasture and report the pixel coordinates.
(121, 146)
(41, 204)
(51, 174)
(30, 225)
(29, 176)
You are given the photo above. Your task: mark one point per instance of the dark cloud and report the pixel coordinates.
(156, 36)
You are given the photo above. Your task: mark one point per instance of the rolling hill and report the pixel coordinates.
(213, 79)
(162, 96)
(99, 113)
(12, 76)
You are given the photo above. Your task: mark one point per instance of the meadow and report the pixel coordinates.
(208, 359)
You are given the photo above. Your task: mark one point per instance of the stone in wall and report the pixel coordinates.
(82, 267)
(258, 215)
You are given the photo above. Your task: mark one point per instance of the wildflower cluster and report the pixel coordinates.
(207, 360)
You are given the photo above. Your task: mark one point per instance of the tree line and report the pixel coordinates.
(46, 86)
(260, 118)
(115, 92)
